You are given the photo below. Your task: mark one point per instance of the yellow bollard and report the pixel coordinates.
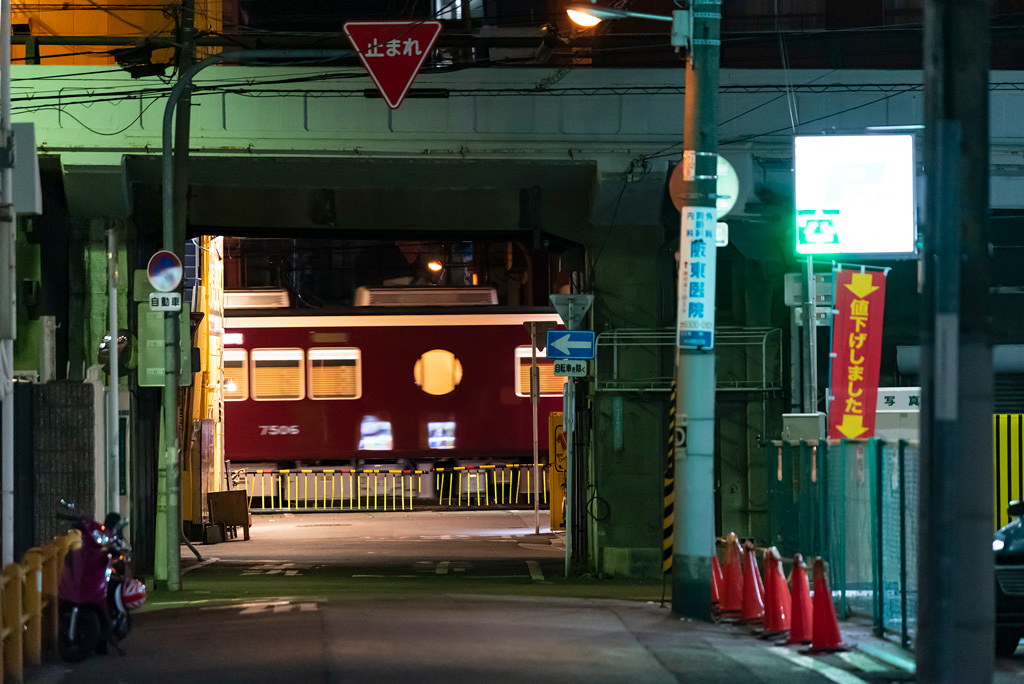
(51, 573)
(477, 490)
(519, 478)
(280, 499)
(14, 662)
(544, 489)
(451, 477)
(375, 490)
(33, 606)
(487, 489)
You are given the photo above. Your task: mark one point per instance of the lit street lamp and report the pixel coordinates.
(592, 15)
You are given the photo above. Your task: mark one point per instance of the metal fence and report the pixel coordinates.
(343, 489)
(854, 503)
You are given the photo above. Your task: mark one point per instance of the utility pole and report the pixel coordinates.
(8, 310)
(174, 241)
(694, 513)
(955, 582)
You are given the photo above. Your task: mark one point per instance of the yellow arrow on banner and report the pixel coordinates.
(861, 285)
(852, 427)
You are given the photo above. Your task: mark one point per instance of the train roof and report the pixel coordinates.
(367, 316)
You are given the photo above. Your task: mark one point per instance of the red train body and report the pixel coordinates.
(346, 389)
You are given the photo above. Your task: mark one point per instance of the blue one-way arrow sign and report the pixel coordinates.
(570, 344)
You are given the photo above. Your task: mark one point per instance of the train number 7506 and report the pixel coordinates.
(279, 429)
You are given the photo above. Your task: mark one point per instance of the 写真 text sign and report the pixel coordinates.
(857, 353)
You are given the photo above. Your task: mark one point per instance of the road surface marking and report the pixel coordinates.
(199, 565)
(863, 662)
(834, 673)
(536, 573)
(276, 607)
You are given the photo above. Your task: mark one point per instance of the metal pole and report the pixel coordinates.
(569, 427)
(7, 226)
(534, 400)
(811, 336)
(956, 582)
(113, 469)
(169, 483)
(694, 515)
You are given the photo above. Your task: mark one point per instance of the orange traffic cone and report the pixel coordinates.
(777, 602)
(800, 631)
(753, 598)
(717, 581)
(825, 637)
(732, 574)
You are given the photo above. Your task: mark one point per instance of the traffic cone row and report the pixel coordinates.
(740, 595)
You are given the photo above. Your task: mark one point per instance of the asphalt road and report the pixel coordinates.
(433, 597)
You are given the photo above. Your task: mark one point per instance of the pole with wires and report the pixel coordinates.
(694, 514)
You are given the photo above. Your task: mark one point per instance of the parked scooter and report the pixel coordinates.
(96, 591)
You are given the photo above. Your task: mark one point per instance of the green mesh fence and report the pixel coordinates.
(896, 554)
(853, 503)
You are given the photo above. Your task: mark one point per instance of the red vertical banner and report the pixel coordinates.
(856, 353)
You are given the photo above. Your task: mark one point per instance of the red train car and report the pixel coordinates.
(402, 384)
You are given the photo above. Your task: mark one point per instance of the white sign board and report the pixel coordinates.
(855, 194)
(165, 301)
(570, 368)
(696, 315)
(901, 399)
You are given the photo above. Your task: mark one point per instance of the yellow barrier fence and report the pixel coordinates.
(29, 605)
(330, 489)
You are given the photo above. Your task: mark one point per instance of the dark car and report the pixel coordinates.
(1008, 546)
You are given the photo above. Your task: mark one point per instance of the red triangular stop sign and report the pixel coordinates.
(393, 52)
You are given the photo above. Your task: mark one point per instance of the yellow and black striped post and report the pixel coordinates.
(670, 485)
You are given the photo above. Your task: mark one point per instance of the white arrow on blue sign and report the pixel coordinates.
(570, 344)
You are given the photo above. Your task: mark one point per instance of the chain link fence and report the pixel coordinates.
(854, 503)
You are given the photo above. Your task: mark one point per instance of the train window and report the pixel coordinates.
(236, 376)
(375, 434)
(334, 373)
(277, 374)
(437, 372)
(550, 384)
(441, 434)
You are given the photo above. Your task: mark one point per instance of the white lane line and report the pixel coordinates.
(863, 662)
(442, 567)
(536, 574)
(834, 673)
(887, 656)
(199, 565)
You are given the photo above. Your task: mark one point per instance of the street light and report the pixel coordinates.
(688, 545)
(592, 15)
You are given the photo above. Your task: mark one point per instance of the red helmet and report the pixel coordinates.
(133, 594)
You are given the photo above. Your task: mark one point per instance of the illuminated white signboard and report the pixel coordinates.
(855, 194)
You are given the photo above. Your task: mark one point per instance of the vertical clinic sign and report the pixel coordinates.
(696, 313)
(855, 194)
(856, 353)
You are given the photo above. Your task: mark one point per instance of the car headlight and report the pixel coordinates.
(997, 544)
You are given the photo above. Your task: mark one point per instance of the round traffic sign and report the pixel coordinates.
(727, 187)
(165, 270)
